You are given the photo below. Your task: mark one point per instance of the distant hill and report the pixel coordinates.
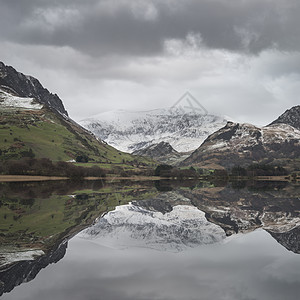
(162, 152)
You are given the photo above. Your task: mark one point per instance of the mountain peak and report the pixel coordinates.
(25, 86)
(290, 117)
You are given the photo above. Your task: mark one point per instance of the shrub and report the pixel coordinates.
(82, 158)
(163, 170)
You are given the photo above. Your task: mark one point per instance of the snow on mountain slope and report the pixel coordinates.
(9, 101)
(134, 226)
(246, 136)
(130, 131)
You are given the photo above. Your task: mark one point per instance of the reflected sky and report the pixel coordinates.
(250, 266)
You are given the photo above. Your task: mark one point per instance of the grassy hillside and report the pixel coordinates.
(43, 133)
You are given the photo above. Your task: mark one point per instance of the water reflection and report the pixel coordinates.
(219, 222)
(133, 226)
(13, 275)
(250, 266)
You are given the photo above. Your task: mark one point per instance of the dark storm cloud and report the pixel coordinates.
(141, 27)
(144, 54)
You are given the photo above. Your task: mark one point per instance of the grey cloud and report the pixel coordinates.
(114, 53)
(105, 27)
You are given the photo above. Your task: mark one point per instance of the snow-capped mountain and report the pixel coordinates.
(130, 131)
(134, 226)
(242, 144)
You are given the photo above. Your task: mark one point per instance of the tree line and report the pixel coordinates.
(259, 170)
(253, 170)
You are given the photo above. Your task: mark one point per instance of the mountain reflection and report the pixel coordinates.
(25, 271)
(183, 218)
(131, 225)
(135, 215)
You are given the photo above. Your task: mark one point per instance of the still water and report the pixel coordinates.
(140, 241)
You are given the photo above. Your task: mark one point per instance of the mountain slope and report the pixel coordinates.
(34, 123)
(132, 131)
(242, 144)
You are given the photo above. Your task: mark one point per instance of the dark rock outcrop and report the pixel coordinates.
(290, 240)
(26, 86)
(290, 117)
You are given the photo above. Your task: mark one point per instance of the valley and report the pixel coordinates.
(35, 125)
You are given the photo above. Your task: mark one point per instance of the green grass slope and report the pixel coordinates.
(45, 133)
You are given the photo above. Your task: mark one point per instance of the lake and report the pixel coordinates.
(145, 240)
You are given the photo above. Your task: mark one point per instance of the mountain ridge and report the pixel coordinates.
(130, 131)
(244, 144)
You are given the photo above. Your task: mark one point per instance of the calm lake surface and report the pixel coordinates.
(150, 241)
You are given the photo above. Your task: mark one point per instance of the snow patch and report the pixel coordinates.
(11, 257)
(218, 145)
(10, 101)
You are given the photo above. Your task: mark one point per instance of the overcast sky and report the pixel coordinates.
(239, 58)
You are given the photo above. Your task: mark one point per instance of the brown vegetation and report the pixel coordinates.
(45, 167)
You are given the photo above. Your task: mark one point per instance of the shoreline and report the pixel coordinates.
(28, 178)
(110, 179)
